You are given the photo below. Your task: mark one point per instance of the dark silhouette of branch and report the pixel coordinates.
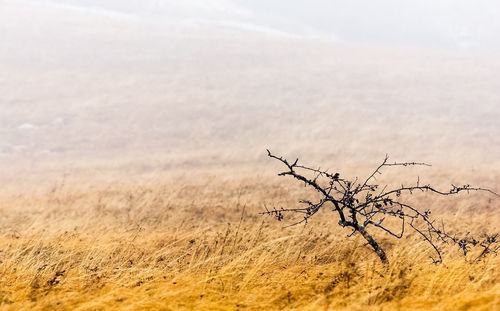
(361, 205)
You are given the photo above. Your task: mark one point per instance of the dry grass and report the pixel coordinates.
(128, 99)
(173, 244)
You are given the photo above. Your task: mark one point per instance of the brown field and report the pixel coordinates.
(132, 176)
(198, 243)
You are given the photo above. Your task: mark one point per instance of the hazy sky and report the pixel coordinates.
(455, 24)
(94, 78)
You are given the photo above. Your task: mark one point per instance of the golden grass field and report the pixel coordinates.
(178, 242)
(133, 167)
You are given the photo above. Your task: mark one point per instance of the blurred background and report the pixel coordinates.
(158, 85)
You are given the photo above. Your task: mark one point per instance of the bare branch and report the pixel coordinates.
(363, 205)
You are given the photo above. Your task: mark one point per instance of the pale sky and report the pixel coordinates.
(450, 24)
(89, 78)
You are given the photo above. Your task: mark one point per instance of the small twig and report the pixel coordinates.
(358, 206)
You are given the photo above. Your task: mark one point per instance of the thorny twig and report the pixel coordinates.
(360, 205)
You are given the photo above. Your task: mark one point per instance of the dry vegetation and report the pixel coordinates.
(177, 242)
(133, 167)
